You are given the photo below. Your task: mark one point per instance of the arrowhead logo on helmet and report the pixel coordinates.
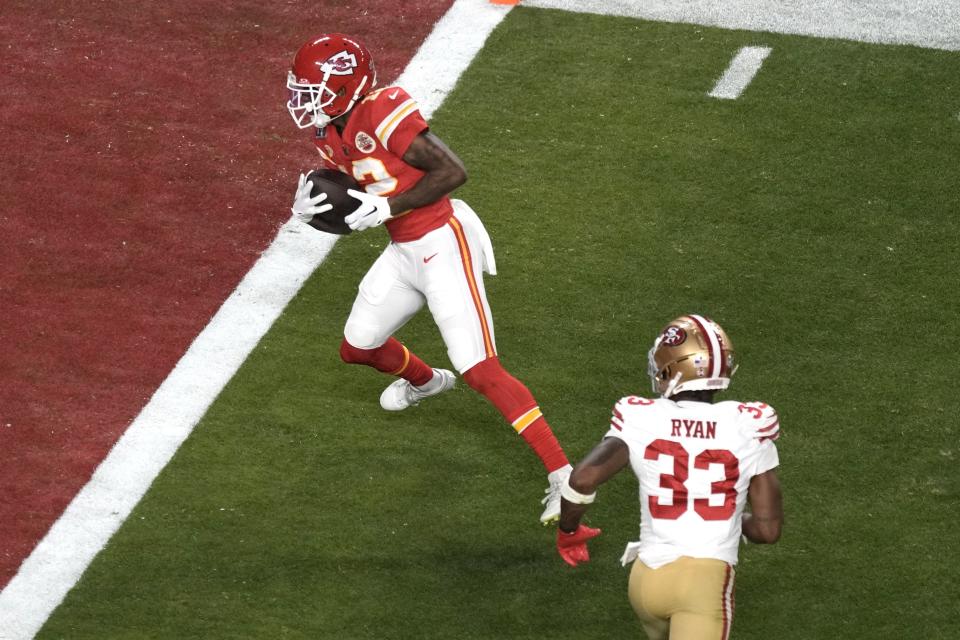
(341, 64)
(329, 75)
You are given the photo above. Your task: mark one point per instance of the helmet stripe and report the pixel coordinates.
(716, 354)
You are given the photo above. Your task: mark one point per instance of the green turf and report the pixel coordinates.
(815, 218)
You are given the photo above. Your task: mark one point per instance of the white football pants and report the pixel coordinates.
(444, 269)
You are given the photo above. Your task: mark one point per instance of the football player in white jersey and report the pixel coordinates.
(698, 463)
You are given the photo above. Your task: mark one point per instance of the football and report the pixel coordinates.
(335, 185)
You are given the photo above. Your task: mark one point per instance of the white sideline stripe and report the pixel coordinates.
(151, 440)
(157, 432)
(740, 73)
(934, 24)
(443, 57)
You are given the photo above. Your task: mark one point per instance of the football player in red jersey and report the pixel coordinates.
(439, 247)
(699, 463)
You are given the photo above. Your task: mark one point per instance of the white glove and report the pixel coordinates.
(304, 207)
(373, 211)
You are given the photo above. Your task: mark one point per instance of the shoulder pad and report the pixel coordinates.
(634, 401)
(759, 420)
(389, 107)
(627, 403)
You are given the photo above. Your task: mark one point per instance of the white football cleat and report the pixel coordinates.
(401, 394)
(556, 479)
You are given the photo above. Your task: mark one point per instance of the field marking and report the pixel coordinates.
(151, 440)
(934, 24)
(449, 49)
(740, 72)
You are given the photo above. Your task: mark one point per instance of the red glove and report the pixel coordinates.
(573, 546)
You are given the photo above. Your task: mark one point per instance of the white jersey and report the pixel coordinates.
(694, 461)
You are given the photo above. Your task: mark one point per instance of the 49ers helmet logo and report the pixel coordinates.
(673, 336)
(340, 64)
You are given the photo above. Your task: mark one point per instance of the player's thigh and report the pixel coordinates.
(706, 608)
(650, 600)
(692, 598)
(384, 303)
(453, 285)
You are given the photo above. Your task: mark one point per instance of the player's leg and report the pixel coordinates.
(453, 284)
(515, 402)
(651, 595)
(705, 609)
(385, 302)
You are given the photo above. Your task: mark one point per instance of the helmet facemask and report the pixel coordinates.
(307, 102)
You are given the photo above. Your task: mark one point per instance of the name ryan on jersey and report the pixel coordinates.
(693, 428)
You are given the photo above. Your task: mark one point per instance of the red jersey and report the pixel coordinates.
(371, 147)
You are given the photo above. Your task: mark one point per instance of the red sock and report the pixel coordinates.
(391, 357)
(518, 406)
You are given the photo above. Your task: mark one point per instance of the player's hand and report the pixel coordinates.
(373, 211)
(572, 547)
(304, 206)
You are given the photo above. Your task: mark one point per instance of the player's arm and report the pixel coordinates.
(443, 172)
(601, 464)
(606, 460)
(765, 521)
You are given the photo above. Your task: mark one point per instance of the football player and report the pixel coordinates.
(439, 250)
(698, 463)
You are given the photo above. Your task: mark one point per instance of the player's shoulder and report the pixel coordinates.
(633, 403)
(394, 94)
(383, 102)
(387, 110)
(755, 419)
(634, 411)
(752, 410)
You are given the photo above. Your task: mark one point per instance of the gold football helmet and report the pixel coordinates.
(692, 353)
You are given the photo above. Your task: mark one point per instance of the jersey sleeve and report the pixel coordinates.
(767, 458)
(616, 423)
(398, 120)
(627, 406)
(326, 159)
(326, 162)
(759, 420)
(760, 423)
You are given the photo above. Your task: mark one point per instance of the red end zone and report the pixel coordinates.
(147, 160)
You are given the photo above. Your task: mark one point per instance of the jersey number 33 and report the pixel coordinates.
(677, 481)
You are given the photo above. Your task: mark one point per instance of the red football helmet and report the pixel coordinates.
(329, 74)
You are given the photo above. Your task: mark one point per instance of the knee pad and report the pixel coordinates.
(362, 336)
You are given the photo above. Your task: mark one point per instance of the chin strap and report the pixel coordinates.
(673, 385)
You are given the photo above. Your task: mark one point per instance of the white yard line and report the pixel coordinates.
(154, 436)
(445, 55)
(934, 24)
(148, 444)
(740, 73)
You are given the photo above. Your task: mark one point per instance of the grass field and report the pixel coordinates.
(816, 218)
